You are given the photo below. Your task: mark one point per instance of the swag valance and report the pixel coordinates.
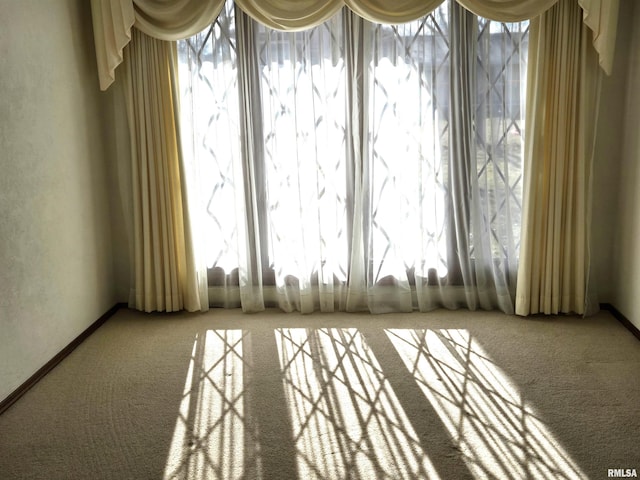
(179, 19)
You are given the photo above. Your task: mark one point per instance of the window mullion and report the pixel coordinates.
(356, 40)
(251, 133)
(462, 154)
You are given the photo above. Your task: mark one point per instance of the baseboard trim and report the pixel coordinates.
(621, 318)
(51, 364)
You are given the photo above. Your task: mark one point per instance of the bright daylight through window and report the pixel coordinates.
(357, 166)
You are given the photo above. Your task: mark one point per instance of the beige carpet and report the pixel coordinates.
(450, 395)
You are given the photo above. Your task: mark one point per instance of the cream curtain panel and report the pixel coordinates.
(179, 19)
(562, 95)
(165, 275)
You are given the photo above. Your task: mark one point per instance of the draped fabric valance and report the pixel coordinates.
(179, 19)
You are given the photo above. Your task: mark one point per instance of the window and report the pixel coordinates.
(352, 155)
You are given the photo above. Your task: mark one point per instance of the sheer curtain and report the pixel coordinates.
(350, 167)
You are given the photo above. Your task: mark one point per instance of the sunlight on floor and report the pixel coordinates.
(347, 422)
(498, 433)
(209, 436)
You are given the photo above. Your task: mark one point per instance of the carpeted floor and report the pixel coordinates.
(450, 395)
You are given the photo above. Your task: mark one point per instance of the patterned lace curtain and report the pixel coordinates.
(355, 166)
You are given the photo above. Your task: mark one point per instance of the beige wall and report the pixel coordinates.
(118, 148)
(625, 237)
(606, 171)
(56, 272)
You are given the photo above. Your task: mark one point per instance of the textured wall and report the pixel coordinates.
(56, 274)
(607, 157)
(626, 239)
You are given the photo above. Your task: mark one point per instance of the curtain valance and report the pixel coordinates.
(179, 19)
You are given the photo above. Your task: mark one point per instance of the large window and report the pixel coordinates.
(379, 164)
